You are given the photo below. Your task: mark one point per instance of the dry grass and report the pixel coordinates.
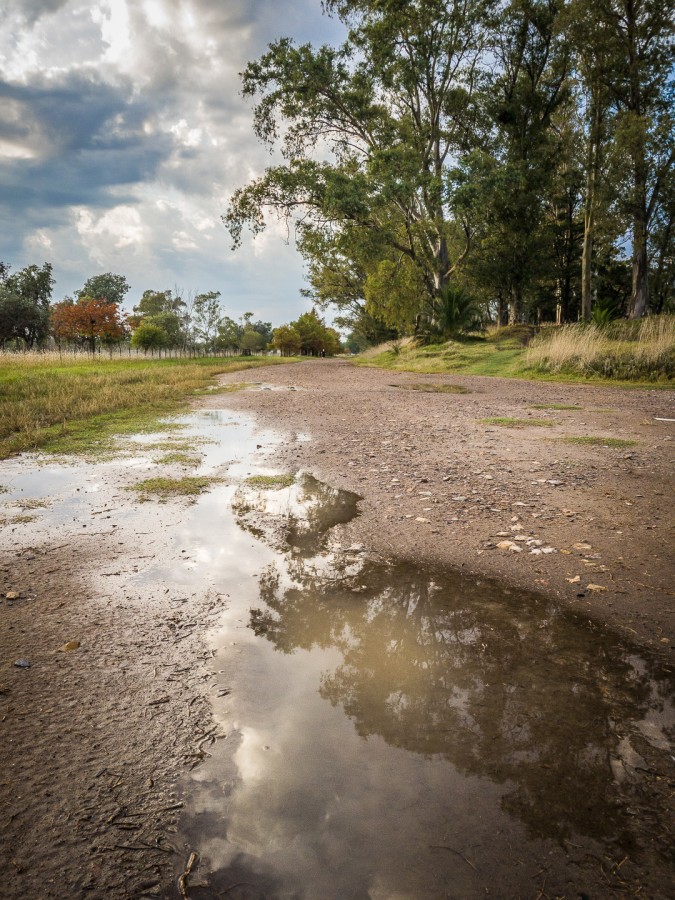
(643, 349)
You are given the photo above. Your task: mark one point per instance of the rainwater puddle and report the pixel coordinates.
(389, 731)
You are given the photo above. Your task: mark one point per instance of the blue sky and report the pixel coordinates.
(122, 135)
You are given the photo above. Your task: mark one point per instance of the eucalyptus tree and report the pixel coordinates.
(639, 36)
(368, 130)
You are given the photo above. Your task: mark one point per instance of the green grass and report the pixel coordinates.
(78, 406)
(271, 481)
(554, 406)
(509, 422)
(190, 486)
(179, 458)
(594, 441)
(431, 388)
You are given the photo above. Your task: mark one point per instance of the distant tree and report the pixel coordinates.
(21, 319)
(108, 287)
(315, 337)
(252, 341)
(229, 334)
(149, 337)
(25, 300)
(152, 303)
(287, 340)
(88, 321)
(207, 313)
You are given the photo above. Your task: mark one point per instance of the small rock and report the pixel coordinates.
(422, 519)
(22, 664)
(582, 546)
(595, 587)
(70, 646)
(505, 545)
(12, 595)
(575, 580)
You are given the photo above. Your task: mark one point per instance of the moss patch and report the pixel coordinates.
(594, 441)
(271, 481)
(509, 422)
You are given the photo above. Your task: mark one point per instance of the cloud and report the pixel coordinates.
(123, 134)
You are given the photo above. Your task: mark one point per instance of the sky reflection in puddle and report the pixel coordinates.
(393, 731)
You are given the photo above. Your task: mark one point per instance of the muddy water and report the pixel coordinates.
(387, 731)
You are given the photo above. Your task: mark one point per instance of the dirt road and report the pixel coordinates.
(114, 704)
(441, 485)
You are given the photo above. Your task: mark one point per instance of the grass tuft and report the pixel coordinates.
(271, 481)
(554, 406)
(594, 441)
(431, 388)
(509, 422)
(180, 459)
(190, 486)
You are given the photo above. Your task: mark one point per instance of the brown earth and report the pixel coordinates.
(96, 738)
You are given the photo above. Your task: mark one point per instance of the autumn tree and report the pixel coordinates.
(286, 340)
(88, 321)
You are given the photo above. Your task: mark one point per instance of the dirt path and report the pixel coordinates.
(96, 738)
(439, 485)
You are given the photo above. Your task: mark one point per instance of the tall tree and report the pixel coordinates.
(207, 316)
(640, 79)
(108, 287)
(26, 296)
(391, 106)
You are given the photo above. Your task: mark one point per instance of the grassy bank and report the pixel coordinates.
(638, 353)
(72, 404)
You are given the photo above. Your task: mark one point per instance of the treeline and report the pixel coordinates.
(454, 162)
(162, 321)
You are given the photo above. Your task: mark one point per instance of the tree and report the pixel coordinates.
(88, 321)
(640, 80)
(25, 303)
(21, 319)
(287, 340)
(229, 334)
(252, 341)
(392, 105)
(149, 336)
(108, 287)
(207, 316)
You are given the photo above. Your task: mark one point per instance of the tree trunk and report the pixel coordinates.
(593, 162)
(515, 305)
(640, 294)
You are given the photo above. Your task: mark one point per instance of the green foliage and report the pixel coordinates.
(109, 287)
(149, 337)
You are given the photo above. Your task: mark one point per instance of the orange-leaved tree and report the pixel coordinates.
(89, 320)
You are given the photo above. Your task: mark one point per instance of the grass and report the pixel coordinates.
(559, 406)
(190, 486)
(631, 353)
(509, 422)
(632, 350)
(179, 458)
(431, 388)
(271, 481)
(78, 406)
(595, 441)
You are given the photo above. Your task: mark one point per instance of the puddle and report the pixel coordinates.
(388, 731)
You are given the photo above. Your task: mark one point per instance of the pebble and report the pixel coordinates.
(22, 664)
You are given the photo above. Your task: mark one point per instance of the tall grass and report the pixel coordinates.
(635, 350)
(46, 397)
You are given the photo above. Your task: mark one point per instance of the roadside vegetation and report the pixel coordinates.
(630, 351)
(78, 404)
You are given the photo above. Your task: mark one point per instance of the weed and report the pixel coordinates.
(510, 422)
(594, 441)
(271, 481)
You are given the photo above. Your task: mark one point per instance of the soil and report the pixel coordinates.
(96, 737)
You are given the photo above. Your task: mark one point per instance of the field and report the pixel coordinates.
(65, 403)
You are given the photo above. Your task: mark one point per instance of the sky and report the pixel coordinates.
(123, 134)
